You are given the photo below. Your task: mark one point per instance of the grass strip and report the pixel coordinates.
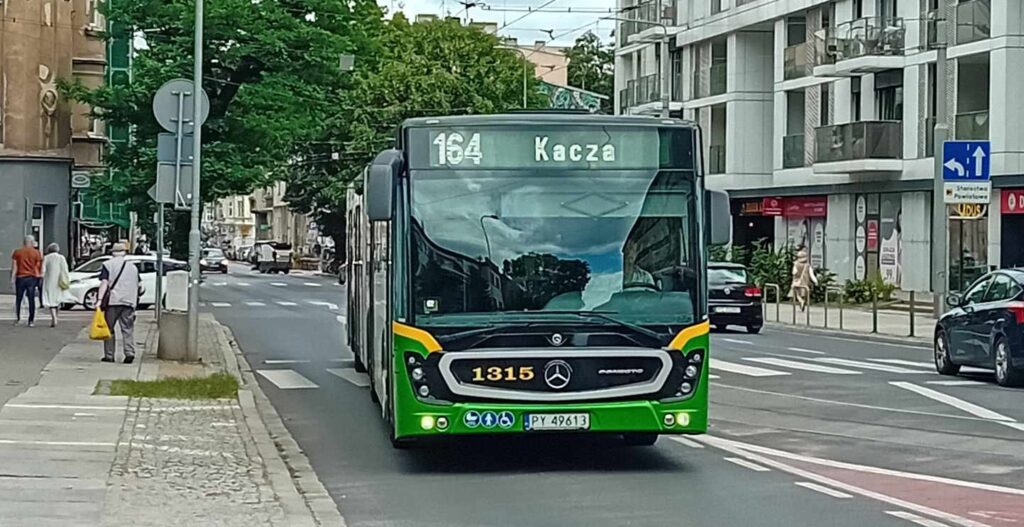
(216, 386)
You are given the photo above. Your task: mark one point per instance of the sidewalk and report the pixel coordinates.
(70, 457)
(856, 320)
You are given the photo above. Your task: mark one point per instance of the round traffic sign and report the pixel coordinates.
(166, 105)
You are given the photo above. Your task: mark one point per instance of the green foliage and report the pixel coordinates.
(215, 386)
(860, 291)
(772, 266)
(826, 279)
(730, 253)
(592, 67)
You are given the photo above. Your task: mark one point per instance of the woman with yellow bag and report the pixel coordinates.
(56, 283)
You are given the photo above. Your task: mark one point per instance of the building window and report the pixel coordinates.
(716, 6)
(889, 95)
(855, 98)
(94, 16)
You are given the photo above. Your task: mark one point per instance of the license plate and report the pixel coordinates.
(727, 310)
(557, 421)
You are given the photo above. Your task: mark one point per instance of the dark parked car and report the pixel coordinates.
(213, 260)
(732, 299)
(985, 328)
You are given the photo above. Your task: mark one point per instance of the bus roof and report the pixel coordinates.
(541, 118)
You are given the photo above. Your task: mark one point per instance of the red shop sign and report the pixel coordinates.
(1013, 201)
(771, 206)
(872, 235)
(806, 206)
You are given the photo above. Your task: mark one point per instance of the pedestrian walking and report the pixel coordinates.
(119, 294)
(56, 282)
(26, 271)
(803, 278)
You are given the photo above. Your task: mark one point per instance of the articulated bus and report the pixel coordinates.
(534, 273)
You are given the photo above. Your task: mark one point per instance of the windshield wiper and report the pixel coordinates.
(487, 331)
(606, 316)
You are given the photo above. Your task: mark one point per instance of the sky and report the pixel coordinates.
(556, 15)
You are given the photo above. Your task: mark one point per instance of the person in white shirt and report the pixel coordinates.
(119, 295)
(56, 282)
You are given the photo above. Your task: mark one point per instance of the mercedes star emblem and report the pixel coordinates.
(557, 374)
(557, 339)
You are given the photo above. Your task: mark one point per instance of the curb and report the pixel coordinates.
(303, 496)
(920, 342)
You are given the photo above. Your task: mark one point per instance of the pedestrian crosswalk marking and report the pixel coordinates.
(219, 284)
(960, 404)
(220, 304)
(736, 341)
(743, 369)
(805, 350)
(278, 284)
(329, 305)
(351, 375)
(286, 303)
(784, 363)
(312, 284)
(956, 383)
(747, 464)
(828, 491)
(255, 304)
(868, 365)
(287, 379)
(902, 362)
(911, 517)
(243, 284)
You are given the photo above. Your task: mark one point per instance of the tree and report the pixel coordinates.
(272, 72)
(592, 67)
(429, 68)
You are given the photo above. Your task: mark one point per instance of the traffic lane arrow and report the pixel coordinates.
(979, 160)
(955, 166)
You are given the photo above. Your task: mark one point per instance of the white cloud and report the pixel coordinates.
(527, 30)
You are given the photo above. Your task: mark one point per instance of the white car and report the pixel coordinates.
(85, 279)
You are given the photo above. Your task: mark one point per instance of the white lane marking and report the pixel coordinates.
(956, 383)
(286, 303)
(869, 366)
(341, 319)
(861, 341)
(911, 517)
(83, 414)
(736, 341)
(220, 304)
(730, 445)
(351, 375)
(328, 305)
(961, 404)
(54, 443)
(824, 490)
(743, 369)
(218, 284)
(242, 284)
(713, 376)
(901, 362)
(685, 441)
(285, 361)
(747, 464)
(801, 366)
(745, 450)
(253, 303)
(287, 379)
(278, 284)
(312, 284)
(805, 350)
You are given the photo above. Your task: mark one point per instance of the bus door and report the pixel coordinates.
(380, 330)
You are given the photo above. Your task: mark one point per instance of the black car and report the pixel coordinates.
(213, 260)
(732, 299)
(985, 328)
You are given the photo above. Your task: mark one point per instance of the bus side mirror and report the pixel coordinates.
(719, 218)
(380, 185)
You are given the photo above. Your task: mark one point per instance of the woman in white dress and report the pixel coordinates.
(56, 282)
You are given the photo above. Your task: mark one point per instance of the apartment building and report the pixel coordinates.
(43, 136)
(818, 118)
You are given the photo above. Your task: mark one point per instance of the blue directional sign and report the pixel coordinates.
(489, 419)
(966, 160)
(471, 419)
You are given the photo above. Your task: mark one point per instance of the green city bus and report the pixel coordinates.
(533, 273)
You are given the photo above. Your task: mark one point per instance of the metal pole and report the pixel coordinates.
(665, 72)
(159, 261)
(874, 310)
(525, 65)
(912, 315)
(940, 252)
(826, 308)
(194, 238)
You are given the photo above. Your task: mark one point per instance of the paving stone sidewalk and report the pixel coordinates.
(69, 457)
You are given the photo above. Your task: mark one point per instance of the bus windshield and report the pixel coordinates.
(536, 242)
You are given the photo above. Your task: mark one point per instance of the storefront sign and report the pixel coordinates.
(1013, 201)
(872, 235)
(968, 192)
(968, 211)
(752, 208)
(771, 206)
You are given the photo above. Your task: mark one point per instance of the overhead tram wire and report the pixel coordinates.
(528, 13)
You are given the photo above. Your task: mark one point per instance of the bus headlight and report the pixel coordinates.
(696, 357)
(417, 374)
(686, 387)
(683, 419)
(442, 423)
(424, 391)
(427, 422)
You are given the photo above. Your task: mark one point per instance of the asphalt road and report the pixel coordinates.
(806, 430)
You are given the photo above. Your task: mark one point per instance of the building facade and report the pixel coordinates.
(43, 136)
(818, 118)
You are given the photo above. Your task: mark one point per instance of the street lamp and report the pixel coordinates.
(486, 239)
(664, 65)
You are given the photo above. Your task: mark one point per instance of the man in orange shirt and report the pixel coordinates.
(26, 271)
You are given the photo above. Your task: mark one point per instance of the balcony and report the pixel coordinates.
(867, 45)
(643, 17)
(797, 61)
(973, 21)
(716, 159)
(972, 126)
(860, 147)
(793, 151)
(640, 91)
(716, 75)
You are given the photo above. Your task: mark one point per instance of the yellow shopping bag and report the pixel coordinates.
(98, 330)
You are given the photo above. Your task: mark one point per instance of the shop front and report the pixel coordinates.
(801, 225)
(749, 224)
(1012, 229)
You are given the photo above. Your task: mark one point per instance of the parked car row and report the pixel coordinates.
(85, 279)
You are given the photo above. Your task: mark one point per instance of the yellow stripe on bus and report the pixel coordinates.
(684, 336)
(426, 339)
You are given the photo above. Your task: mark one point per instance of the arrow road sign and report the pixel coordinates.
(966, 160)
